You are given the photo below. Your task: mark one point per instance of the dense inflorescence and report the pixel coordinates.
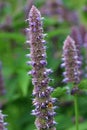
(77, 36)
(71, 62)
(2, 123)
(85, 56)
(44, 110)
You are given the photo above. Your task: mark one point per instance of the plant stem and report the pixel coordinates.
(76, 111)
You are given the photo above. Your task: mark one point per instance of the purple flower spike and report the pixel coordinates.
(39, 73)
(71, 62)
(77, 37)
(2, 123)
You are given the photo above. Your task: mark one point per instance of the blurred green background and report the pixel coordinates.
(60, 16)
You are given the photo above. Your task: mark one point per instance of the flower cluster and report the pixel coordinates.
(85, 56)
(77, 37)
(2, 124)
(79, 34)
(44, 110)
(71, 62)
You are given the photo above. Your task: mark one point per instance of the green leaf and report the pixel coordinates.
(58, 32)
(82, 126)
(23, 80)
(58, 92)
(83, 84)
(15, 36)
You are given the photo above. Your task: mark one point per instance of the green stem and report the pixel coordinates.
(76, 112)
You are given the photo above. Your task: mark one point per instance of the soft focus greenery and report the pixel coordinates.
(17, 102)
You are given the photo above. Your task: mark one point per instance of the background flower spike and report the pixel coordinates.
(71, 64)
